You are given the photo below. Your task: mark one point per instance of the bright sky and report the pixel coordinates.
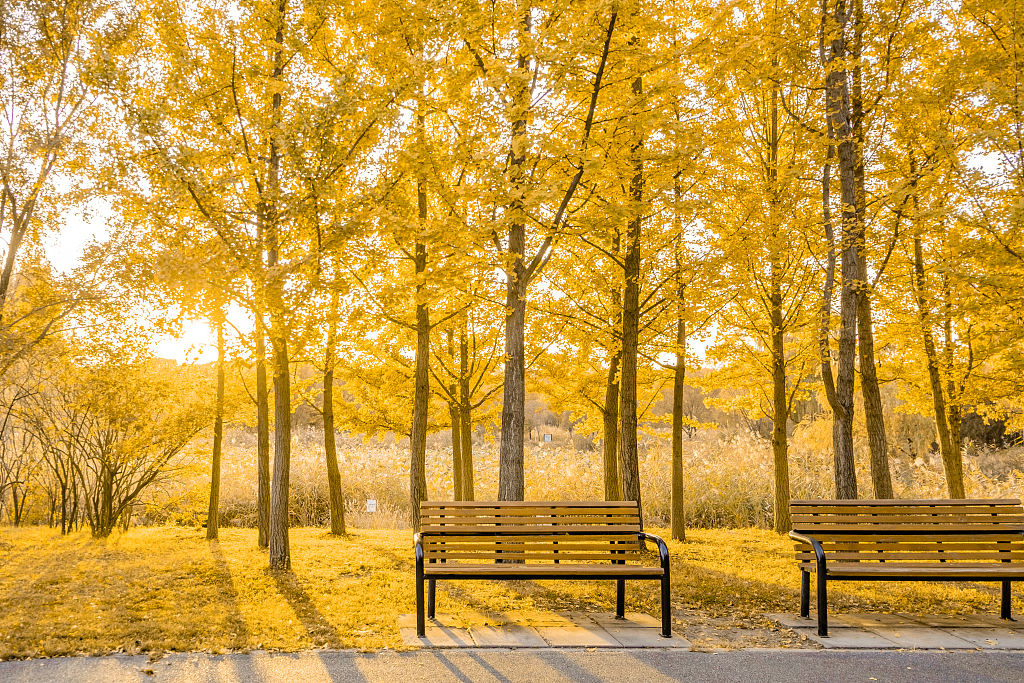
(64, 250)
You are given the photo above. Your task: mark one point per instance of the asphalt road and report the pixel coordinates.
(541, 666)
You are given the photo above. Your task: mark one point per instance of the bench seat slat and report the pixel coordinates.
(553, 569)
(527, 512)
(829, 537)
(429, 505)
(914, 545)
(529, 521)
(513, 545)
(516, 537)
(911, 528)
(903, 503)
(530, 556)
(915, 510)
(539, 529)
(931, 570)
(817, 520)
(896, 555)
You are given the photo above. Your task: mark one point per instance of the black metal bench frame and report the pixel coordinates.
(620, 573)
(824, 575)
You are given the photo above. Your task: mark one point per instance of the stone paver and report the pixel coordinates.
(631, 620)
(642, 637)
(924, 638)
(437, 636)
(578, 636)
(506, 636)
(990, 638)
(960, 620)
(538, 630)
(848, 639)
(875, 620)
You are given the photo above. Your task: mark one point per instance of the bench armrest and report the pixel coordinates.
(819, 552)
(418, 540)
(662, 548)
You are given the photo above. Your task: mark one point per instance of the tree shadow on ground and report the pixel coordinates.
(234, 621)
(320, 631)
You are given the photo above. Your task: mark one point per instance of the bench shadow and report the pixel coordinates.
(234, 622)
(320, 631)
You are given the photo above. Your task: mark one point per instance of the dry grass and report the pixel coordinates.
(728, 478)
(164, 588)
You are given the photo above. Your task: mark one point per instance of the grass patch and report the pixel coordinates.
(168, 589)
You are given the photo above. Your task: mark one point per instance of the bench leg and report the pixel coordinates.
(431, 598)
(822, 605)
(1005, 609)
(666, 606)
(421, 625)
(805, 593)
(620, 598)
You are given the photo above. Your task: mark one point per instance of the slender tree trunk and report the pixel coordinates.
(881, 480)
(628, 455)
(421, 397)
(511, 478)
(213, 514)
(954, 394)
(678, 388)
(330, 447)
(262, 435)
(837, 108)
(780, 395)
(454, 414)
(610, 417)
(280, 549)
(952, 459)
(465, 413)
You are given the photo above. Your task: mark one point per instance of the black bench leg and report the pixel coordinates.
(620, 598)
(805, 593)
(431, 598)
(421, 623)
(822, 605)
(666, 606)
(1005, 610)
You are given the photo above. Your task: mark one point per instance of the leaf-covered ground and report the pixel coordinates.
(160, 589)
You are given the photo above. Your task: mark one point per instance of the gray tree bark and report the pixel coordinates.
(213, 512)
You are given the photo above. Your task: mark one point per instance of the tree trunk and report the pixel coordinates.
(262, 436)
(780, 395)
(213, 513)
(330, 447)
(952, 459)
(465, 414)
(628, 456)
(456, 429)
(262, 393)
(881, 480)
(511, 478)
(678, 388)
(837, 109)
(421, 397)
(610, 416)
(280, 550)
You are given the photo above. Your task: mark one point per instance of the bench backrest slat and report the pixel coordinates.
(546, 531)
(912, 530)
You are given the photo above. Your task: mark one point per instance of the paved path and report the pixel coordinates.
(532, 666)
(911, 631)
(535, 629)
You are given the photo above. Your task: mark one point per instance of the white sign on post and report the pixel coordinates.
(371, 505)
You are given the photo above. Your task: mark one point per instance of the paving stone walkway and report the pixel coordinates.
(534, 630)
(910, 631)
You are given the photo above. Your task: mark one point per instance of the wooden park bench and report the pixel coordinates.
(906, 540)
(535, 540)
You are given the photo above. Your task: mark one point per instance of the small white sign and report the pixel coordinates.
(371, 505)
(547, 438)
